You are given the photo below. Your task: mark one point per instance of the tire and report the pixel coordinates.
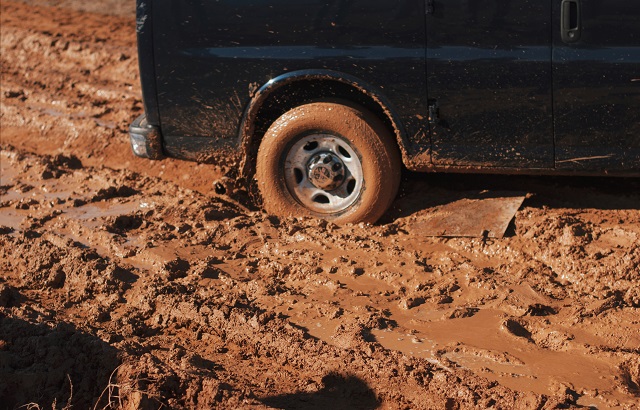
(328, 160)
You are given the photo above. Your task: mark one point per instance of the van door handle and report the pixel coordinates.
(570, 21)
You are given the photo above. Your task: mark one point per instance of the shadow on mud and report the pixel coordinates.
(44, 365)
(338, 392)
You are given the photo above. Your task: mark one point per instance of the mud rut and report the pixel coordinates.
(130, 284)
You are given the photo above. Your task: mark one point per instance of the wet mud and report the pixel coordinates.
(131, 284)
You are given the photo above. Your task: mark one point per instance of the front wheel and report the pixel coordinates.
(328, 160)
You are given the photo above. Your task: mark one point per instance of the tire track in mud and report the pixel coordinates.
(192, 289)
(183, 319)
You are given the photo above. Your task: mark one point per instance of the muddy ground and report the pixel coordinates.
(129, 283)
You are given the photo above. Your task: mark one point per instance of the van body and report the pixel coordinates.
(490, 86)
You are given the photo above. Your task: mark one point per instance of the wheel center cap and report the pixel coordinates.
(325, 171)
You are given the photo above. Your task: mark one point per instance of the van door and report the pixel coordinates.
(489, 83)
(596, 80)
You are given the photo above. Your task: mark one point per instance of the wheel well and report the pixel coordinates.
(305, 91)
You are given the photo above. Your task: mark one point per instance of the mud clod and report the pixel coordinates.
(176, 268)
(5, 230)
(122, 191)
(462, 313)
(630, 375)
(124, 223)
(539, 309)
(410, 303)
(516, 329)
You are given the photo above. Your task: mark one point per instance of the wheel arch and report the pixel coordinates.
(289, 90)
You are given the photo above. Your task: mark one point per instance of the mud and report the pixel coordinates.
(129, 283)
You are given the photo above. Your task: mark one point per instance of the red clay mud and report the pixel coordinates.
(129, 284)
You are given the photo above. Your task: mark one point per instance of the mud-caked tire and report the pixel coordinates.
(328, 160)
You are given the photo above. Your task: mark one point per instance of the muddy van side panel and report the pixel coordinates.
(210, 56)
(597, 87)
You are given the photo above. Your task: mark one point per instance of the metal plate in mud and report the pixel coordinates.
(486, 215)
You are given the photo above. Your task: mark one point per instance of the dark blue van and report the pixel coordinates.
(325, 101)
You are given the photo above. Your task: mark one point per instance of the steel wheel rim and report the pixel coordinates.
(301, 187)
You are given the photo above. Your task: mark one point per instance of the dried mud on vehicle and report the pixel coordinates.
(130, 284)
